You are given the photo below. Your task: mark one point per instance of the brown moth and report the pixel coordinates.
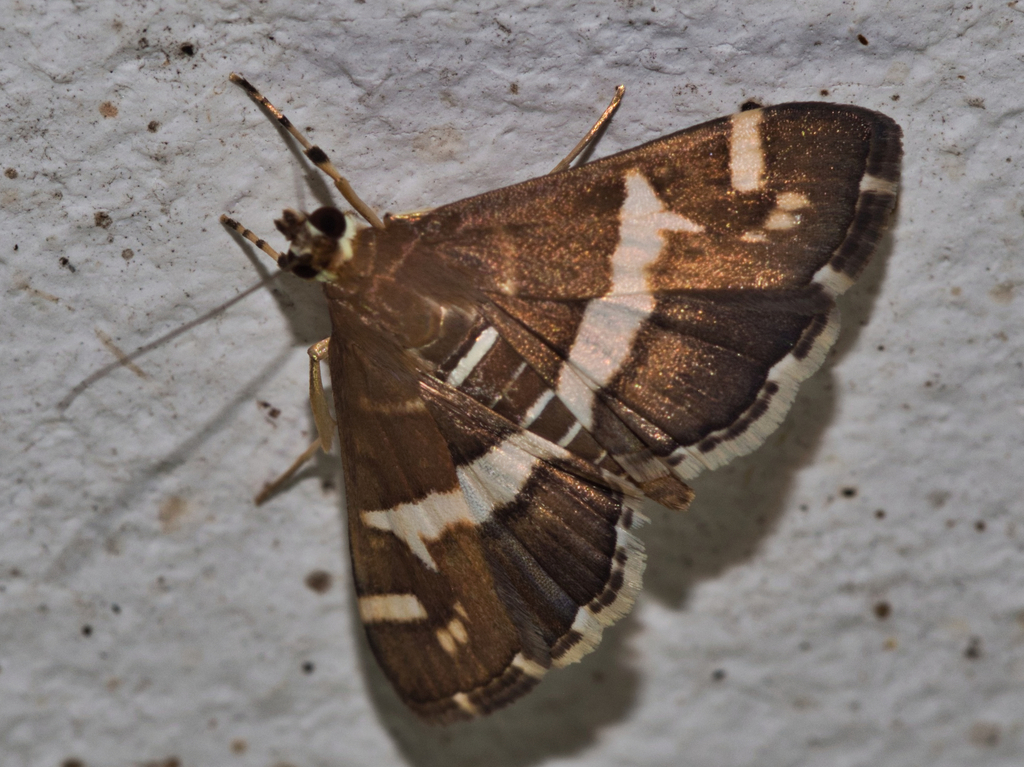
(515, 372)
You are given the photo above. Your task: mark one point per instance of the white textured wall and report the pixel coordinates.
(149, 612)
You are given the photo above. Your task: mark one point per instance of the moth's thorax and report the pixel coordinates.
(392, 286)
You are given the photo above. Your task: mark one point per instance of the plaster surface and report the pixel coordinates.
(850, 594)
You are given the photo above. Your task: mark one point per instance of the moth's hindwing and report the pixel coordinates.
(517, 368)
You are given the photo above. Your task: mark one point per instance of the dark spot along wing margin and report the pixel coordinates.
(513, 554)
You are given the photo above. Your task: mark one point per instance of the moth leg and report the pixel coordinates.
(325, 424)
(257, 241)
(316, 155)
(601, 122)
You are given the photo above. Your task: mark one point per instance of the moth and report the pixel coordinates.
(516, 372)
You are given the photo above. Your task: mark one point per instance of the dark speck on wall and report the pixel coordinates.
(319, 581)
(973, 649)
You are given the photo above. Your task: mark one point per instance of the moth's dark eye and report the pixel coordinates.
(304, 272)
(330, 221)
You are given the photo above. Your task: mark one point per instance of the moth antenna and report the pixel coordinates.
(316, 155)
(259, 242)
(606, 115)
(129, 358)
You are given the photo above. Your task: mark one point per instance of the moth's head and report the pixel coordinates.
(320, 243)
